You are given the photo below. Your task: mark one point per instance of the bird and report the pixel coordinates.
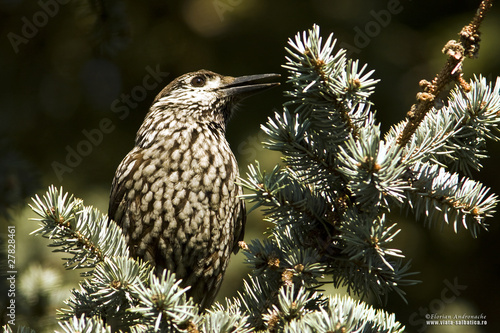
(176, 194)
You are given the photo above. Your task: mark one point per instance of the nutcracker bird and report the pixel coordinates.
(175, 194)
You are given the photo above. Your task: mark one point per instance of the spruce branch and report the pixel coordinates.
(287, 262)
(431, 139)
(366, 263)
(229, 319)
(80, 303)
(122, 290)
(450, 199)
(257, 297)
(273, 306)
(369, 247)
(455, 135)
(377, 280)
(343, 314)
(312, 158)
(326, 176)
(20, 329)
(320, 78)
(85, 324)
(340, 171)
(110, 292)
(457, 51)
(283, 195)
(477, 121)
(79, 230)
(163, 304)
(114, 282)
(291, 305)
(373, 169)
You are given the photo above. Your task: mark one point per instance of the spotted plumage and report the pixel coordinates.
(175, 194)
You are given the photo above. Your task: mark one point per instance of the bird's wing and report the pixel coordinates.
(118, 202)
(240, 225)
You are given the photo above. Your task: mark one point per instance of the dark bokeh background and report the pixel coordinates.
(84, 67)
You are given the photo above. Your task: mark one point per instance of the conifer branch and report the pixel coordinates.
(291, 136)
(283, 196)
(457, 51)
(84, 324)
(78, 230)
(476, 120)
(163, 303)
(355, 177)
(20, 329)
(362, 318)
(453, 200)
(321, 79)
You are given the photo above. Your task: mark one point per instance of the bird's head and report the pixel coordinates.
(207, 96)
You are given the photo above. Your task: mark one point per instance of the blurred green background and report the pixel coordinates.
(73, 69)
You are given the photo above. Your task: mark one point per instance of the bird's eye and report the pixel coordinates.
(198, 81)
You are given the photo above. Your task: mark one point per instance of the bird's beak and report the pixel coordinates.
(245, 86)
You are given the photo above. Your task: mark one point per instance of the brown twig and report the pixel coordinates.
(457, 51)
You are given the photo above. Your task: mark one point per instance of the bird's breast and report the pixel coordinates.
(183, 191)
(188, 176)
